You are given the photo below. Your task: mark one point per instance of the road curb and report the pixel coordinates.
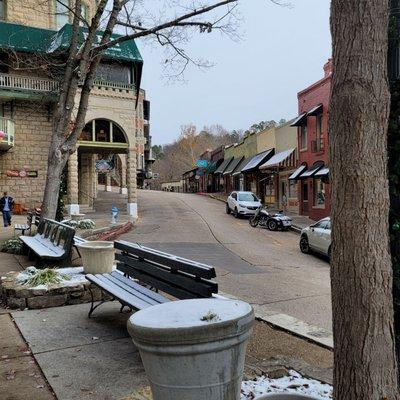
(291, 325)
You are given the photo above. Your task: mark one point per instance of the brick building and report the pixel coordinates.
(312, 126)
(32, 34)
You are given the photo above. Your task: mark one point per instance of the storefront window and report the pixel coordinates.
(319, 193)
(292, 189)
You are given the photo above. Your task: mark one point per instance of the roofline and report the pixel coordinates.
(314, 85)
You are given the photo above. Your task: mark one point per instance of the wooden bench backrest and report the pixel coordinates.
(180, 277)
(59, 234)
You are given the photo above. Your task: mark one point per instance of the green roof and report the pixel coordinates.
(37, 40)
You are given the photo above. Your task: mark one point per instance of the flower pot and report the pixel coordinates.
(97, 257)
(285, 396)
(189, 354)
(77, 217)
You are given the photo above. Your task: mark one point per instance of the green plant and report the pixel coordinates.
(45, 277)
(13, 246)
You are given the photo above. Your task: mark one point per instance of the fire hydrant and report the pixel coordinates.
(114, 214)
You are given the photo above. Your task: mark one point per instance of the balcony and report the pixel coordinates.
(27, 87)
(317, 145)
(6, 134)
(34, 88)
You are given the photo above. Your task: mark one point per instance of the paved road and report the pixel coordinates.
(262, 267)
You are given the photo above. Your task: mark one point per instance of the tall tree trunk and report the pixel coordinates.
(365, 363)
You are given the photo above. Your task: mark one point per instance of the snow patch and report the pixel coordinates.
(293, 383)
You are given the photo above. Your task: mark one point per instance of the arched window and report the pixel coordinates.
(102, 130)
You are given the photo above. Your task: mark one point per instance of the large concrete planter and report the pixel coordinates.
(285, 396)
(193, 349)
(97, 257)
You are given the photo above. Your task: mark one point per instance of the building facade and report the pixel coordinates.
(312, 176)
(117, 133)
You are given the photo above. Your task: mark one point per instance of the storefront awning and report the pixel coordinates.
(277, 159)
(322, 172)
(311, 171)
(301, 120)
(221, 169)
(243, 163)
(257, 160)
(212, 166)
(233, 165)
(315, 110)
(296, 174)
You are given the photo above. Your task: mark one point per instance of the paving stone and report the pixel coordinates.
(11, 343)
(46, 301)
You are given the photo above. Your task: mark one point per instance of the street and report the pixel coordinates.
(262, 267)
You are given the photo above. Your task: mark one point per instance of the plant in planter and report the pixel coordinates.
(35, 277)
(13, 246)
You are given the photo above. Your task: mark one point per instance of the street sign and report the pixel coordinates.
(202, 163)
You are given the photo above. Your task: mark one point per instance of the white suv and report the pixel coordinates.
(242, 203)
(317, 237)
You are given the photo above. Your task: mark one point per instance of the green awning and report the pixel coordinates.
(24, 38)
(37, 40)
(126, 51)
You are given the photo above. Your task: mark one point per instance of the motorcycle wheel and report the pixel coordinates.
(272, 225)
(253, 222)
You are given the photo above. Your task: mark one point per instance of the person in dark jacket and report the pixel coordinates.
(6, 205)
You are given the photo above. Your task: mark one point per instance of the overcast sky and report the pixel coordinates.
(281, 52)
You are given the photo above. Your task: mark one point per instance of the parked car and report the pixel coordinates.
(242, 203)
(317, 237)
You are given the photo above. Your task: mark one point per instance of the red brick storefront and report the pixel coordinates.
(314, 190)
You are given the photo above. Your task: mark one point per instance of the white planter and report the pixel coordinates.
(77, 217)
(285, 396)
(189, 357)
(97, 257)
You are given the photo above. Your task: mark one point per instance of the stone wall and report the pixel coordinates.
(32, 136)
(36, 13)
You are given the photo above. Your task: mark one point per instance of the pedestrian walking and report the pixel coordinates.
(6, 205)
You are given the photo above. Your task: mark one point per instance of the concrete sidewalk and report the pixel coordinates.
(94, 358)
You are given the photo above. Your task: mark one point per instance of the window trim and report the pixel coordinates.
(304, 127)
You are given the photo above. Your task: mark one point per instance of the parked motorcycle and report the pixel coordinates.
(271, 221)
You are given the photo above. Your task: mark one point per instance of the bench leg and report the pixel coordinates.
(121, 310)
(92, 306)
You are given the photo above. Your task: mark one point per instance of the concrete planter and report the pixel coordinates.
(77, 217)
(193, 349)
(97, 257)
(285, 396)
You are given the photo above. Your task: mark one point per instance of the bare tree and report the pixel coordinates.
(365, 363)
(84, 58)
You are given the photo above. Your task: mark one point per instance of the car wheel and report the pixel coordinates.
(228, 210)
(236, 213)
(272, 225)
(304, 245)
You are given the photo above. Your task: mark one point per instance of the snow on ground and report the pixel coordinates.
(293, 383)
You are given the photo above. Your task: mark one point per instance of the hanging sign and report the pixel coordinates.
(202, 163)
(15, 173)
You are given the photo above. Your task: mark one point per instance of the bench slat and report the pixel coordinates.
(197, 286)
(123, 285)
(150, 293)
(110, 287)
(174, 262)
(179, 293)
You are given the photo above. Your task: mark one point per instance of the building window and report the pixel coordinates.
(2, 9)
(84, 13)
(319, 193)
(62, 13)
(303, 137)
(292, 189)
(320, 128)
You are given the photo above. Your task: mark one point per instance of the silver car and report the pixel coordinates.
(242, 203)
(317, 237)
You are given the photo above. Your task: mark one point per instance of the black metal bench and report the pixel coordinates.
(138, 265)
(30, 220)
(52, 242)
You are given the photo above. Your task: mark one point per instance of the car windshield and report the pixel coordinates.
(247, 197)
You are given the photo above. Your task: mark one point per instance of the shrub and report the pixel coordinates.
(13, 246)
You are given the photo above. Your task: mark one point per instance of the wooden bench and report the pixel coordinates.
(30, 220)
(138, 265)
(77, 241)
(53, 240)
